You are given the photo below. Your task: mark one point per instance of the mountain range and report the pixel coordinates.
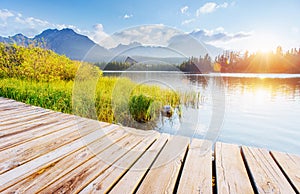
(79, 47)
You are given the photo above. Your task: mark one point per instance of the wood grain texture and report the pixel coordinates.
(28, 133)
(290, 164)
(42, 151)
(133, 177)
(81, 176)
(64, 162)
(109, 177)
(197, 172)
(231, 174)
(163, 174)
(16, 156)
(5, 129)
(266, 174)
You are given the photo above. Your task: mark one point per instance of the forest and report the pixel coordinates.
(228, 62)
(278, 62)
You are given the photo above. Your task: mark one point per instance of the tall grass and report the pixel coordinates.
(111, 99)
(53, 95)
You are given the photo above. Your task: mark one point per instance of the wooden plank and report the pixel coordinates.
(40, 177)
(163, 174)
(23, 153)
(39, 129)
(77, 179)
(197, 171)
(133, 177)
(9, 101)
(16, 111)
(42, 165)
(105, 181)
(29, 118)
(29, 125)
(290, 164)
(266, 174)
(13, 105)
(231, 173)
(5, 100)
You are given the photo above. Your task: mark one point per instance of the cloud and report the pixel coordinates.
(151, 35)
(126, 16)
(184, 9)
(13, 23)
(218, 35)
(185, 22)
(98, 35)
(210, 7)
(4, 14)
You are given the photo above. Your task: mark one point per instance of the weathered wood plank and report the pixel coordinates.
(162, 176)
(104, 182)
(23, 153)
(9, 101)
(30, 118)
(14, 105)
(133, 177)
(27, 126)
(41, 166)
(5, 100)
(231, 173)
(77, 179)
(197, 171)
(266, 174)
(34, 131)
(14, 112)
(53, 170)
(290, 164)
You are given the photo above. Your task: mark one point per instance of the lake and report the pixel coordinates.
(261, 110)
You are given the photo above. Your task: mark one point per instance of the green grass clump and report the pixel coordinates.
(139, 107)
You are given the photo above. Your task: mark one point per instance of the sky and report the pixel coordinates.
(256, 25)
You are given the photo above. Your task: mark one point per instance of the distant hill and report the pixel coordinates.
(79, 47)
(65, 42)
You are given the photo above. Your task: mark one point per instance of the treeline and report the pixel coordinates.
(197, 65)
(114, 66)
(126, 66)
(278, 62)
(35, 63)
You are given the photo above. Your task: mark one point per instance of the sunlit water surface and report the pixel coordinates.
(261, 110)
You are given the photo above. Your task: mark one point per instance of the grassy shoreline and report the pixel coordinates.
(110, 100)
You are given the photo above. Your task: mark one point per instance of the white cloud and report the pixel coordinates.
(150, 35)
(210, 7)
(127, 16)
(218, 35)
(4, 14)
(98, 35)
(14, 23)
(184, 9)
(185, 22)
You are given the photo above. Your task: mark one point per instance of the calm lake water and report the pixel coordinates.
(261, 110)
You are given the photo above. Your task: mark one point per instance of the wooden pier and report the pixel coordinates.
(43, 151)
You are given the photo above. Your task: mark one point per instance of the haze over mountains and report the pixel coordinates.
(80, 47)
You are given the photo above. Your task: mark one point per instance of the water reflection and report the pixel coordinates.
(260, 111)
(270, 88)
